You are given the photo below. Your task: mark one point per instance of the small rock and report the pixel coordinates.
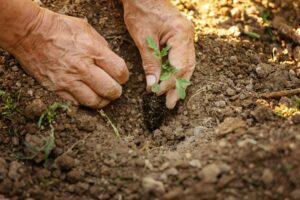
(172, 171)
(262, 113)
(230, 92)
(151, 185)
(267, 177)
(230, 125)
(81, 187)
(233, 60)
(296, 53)
(14, 68)
(263, 70)
(42, 174)
(6, 186)
(35, 109)
(2, 69)
(3, 169)
(210, 173)
(296, 194)
(86, 123)
(220, 104)
(296, 118)
(75, 175)
(65, 162)
(174, 194)
(14, 171)
(195, 163)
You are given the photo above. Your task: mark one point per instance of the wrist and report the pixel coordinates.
(17, 19)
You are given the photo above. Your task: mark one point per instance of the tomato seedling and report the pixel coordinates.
(167, 70)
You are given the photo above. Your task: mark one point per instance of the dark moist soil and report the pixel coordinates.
(224, 142)
(154, 111)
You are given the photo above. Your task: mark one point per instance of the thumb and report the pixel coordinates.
(151, 66)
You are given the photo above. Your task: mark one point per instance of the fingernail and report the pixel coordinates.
(151, 79)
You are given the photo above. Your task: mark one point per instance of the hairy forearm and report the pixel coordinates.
(16, 20)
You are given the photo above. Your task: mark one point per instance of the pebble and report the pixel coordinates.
(86, 123)
(13, 171)
(295, 194)
(172, 171)
(35, 109)
(220, 104)
(296, 118)
(15, 68)
(210, 173)
(230, 92)
(263, 70)
(267, 177)
(151, 185)
(195, 163)
(75, 175)
(229, 125)
(42, 174)
(3, 169)
(296, 53)
(65, 162)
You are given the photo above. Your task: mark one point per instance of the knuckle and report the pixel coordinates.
(122, 72)
(183, 26)
(114, 92)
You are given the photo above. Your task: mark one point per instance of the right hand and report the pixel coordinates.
(67, 56)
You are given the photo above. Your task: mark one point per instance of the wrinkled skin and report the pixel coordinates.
(68, 56)
(164, 23)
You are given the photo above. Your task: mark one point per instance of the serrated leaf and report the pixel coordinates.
(155, 88)
(165, 76)
(165, 51)
(152, 45)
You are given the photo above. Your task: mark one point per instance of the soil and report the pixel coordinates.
(154, 111)
(224, 142)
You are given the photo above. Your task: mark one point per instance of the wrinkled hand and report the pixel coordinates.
(68, 56)
(160, 20)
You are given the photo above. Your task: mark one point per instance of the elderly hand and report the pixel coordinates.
(68, 56)
(160, 20)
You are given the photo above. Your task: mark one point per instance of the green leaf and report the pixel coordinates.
(181, 93)
(266, 15)
(165, 51)
(41, 119)
(184, 81)
(152, 45)
(165, 76)
(48, 146)
(252, 35)
(155, 88)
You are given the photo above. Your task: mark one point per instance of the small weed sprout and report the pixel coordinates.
(52, 113)
(8, 106)
(48, 141)
(167, 70)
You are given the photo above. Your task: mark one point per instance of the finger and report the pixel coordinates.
(182, 57)
(67, 96)
(166, 86)
(151, 64)
(86, 96)
(100, 82)
(113, 65)
(182, 54)
(172, 98)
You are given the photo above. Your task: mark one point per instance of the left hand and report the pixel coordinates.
(160, 20)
